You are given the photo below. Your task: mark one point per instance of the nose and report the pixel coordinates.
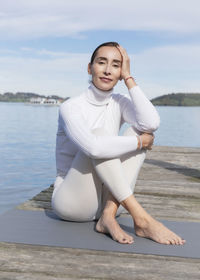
(107, 70)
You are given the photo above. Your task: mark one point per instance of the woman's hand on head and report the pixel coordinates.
(125, 67)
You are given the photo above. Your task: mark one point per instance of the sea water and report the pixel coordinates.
(27, 145)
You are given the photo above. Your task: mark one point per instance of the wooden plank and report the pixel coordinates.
(42, 262)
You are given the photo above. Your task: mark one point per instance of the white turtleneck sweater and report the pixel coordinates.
(93, 109)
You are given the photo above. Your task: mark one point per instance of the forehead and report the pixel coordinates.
(109, 53)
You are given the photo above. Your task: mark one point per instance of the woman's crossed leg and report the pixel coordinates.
(94, 189)
(144, 224)
(84, 193)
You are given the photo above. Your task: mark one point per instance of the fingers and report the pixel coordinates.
(147, 140)
(125, 68)
(122, 51)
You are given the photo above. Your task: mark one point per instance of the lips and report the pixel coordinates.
(104, 79)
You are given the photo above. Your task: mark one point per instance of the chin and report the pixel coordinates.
(104, 87)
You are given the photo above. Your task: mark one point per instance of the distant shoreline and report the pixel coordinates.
(178, 99)
(173, 99)
(26, 97)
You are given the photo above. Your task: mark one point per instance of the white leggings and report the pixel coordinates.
(82, 194)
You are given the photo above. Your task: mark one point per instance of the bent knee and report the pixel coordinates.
(67, 208)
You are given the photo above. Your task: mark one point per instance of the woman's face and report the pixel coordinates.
(106, 68)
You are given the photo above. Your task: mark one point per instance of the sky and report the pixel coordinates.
(45, 45)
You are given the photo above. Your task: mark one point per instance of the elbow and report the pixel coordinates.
(151, 126)
(155, 124)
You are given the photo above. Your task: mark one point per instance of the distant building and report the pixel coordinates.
(45, 101)
(52, 101)
(37, 100)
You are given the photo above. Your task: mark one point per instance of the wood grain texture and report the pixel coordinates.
(18, 261)
(168, 187)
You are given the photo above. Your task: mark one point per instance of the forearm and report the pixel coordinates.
(147, 111)
(147, 118)
(95, 146)
(143, 114)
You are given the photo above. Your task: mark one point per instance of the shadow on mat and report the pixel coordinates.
(52, 215)
(190, 172)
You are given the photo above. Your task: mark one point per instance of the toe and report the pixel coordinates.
(121, 239)
(182, 241)
(124, 241)
(129, 238)
(131, 241)
(167, 242)
(179, 241)
(173, 242)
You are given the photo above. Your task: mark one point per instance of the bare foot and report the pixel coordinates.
(158, 232)
(108, 224)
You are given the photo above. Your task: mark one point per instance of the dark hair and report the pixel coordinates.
(109, 44)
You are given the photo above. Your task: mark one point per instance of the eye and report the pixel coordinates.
(101, 62)
(116, 65)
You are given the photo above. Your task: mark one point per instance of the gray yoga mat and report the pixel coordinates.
(45, 228)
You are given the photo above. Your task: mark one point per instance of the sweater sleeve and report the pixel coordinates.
(139, 111)
(95, 146)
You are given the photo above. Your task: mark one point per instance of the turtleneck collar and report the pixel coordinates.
(98, 97)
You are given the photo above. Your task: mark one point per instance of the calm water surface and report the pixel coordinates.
(27, 145)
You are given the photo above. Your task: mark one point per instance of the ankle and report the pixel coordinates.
(108, 213)
(142, 222)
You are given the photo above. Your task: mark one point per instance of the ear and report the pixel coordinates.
(89, 69)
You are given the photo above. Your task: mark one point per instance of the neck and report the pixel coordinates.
(97, 96)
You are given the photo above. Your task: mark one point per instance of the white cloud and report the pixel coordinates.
(169, 69)
(40, 18)
(62, 75)
(158, 71)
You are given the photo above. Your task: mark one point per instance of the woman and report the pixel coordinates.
(96, 168)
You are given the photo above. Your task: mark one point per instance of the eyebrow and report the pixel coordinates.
(104, 58)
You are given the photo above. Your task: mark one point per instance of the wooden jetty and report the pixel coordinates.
(168, 187)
